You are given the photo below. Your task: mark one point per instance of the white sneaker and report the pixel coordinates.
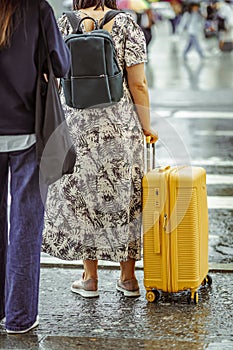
(35, 324)
(129, 288)
(87, 289)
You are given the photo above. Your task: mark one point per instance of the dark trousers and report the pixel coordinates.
(20, 250)
(174, 23)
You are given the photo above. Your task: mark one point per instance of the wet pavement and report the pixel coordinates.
(193, 84)
(192, 108)
(67, 321)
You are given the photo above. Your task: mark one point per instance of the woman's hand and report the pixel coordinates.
(152, 134)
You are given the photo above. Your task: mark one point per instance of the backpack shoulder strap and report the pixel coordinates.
(109, 16)
(74, 21)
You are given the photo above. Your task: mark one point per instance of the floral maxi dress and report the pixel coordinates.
(95, 213)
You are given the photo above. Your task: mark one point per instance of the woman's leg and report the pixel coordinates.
(87, 286)
(23, 257)
(90, 269)
(128, 284)
(127, 270)
(3, 228)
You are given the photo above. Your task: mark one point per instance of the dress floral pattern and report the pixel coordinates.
(95, 213)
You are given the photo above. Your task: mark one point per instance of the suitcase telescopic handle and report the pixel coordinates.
(148, 153)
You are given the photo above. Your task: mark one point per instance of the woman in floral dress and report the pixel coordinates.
(95, 213)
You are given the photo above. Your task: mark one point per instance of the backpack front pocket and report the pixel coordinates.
(90, 91)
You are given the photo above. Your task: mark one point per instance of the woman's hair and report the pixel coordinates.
(83, 4)
(10, 15)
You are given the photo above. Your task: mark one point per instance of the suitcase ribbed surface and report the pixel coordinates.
(175, 226)
(188, 237)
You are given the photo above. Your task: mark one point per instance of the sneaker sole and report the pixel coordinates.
(35, 324)
(85, 293)
(128, 293)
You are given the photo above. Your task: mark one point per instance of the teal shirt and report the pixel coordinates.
(10, 143)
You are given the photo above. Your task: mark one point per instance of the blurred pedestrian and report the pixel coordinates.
(210, 26)
(192, 22)
(95, 213)
(177, 8)
(20, 249)
(225, 24)
(146, 20)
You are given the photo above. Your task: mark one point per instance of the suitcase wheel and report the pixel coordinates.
(195, 298)
(152, 295)
(209, 280)
(192, 296)
(203, 283)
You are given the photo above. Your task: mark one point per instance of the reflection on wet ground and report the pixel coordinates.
(111, 320)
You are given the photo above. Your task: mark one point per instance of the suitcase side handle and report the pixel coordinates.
(156, 233)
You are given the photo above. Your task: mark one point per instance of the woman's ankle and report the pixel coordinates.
(90, 269)
(127, 270)
(88, 276)
(127, 278)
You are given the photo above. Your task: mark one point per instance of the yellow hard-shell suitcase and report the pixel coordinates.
(175, 231)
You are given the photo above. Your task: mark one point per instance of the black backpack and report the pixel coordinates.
(95, 78)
